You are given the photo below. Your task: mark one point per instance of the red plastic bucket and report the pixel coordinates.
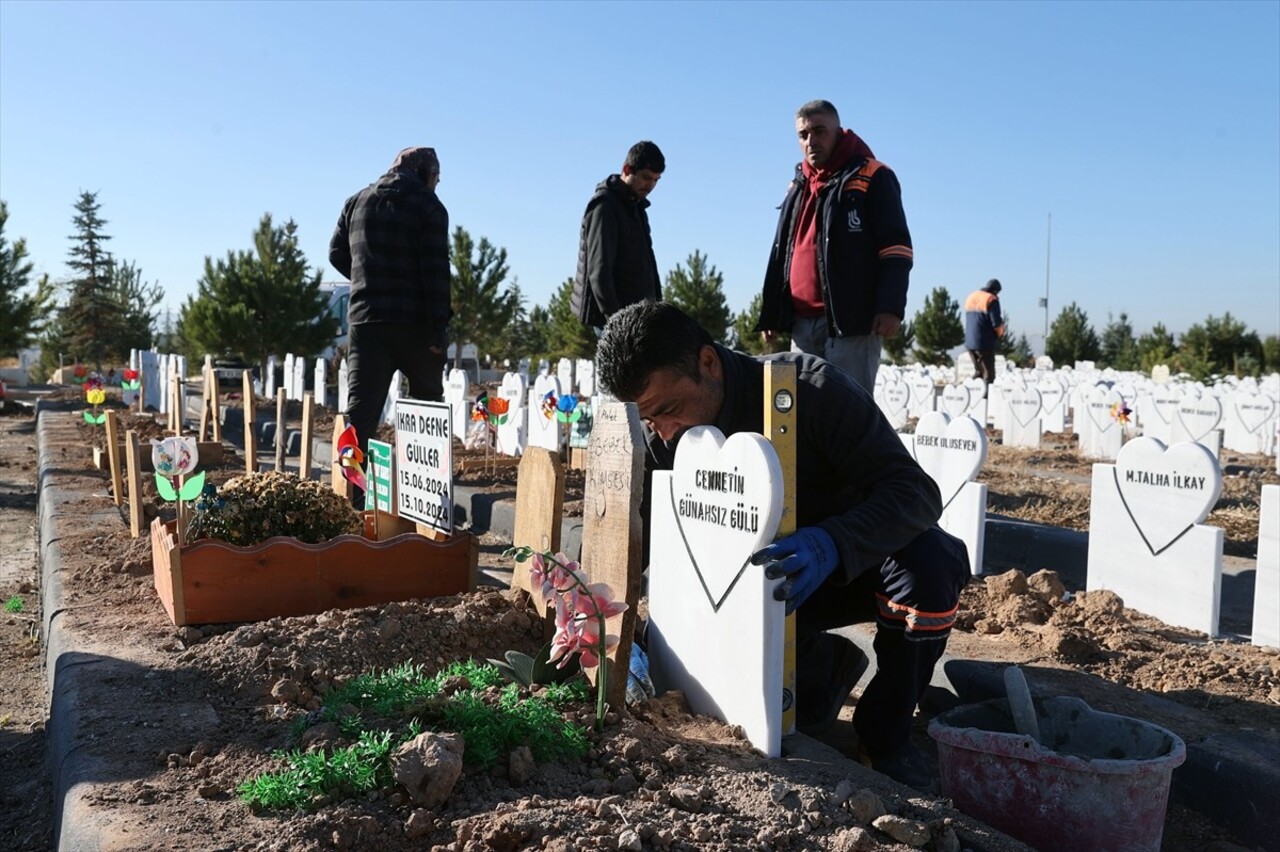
(1094, 781)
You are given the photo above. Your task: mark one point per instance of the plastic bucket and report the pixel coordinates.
(1095, 781)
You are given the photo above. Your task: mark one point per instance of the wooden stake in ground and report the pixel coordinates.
(281, 402)
(539, 510)
(304, 454)
(612, 531)
(175, 405)
(780, 428)
(133, 462)
(113, 456)
(216, 406)
(205, 374)
(250, 424)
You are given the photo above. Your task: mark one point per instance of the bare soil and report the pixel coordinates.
(656, 778)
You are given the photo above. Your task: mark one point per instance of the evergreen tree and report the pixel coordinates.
(483, 308)
(899, 346)
(24, 313)
(566, 336)
(1155, 347)
(938, 328)
(259, 303)
(1271, 354)
(746, 339)
(137, 303)
(1118, 347)
(1071, 338)
(1221, 346)
(90, 326)
(1016, 350)
(699, 292)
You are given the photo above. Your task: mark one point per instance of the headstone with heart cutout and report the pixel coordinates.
(510, 438)
(923, 394)
(1157, 419)
(1146, 540)
(977, 400)
(585, 370)
(1247, 420)
(1022, 426)
(456, 390)
(1266, 591)
(1197, 419)
(543, 429)
(894, 398)
(1102, 434)
(715, 630)
(952, 450)
(1053, 403)
(564, 372)
(954, 401)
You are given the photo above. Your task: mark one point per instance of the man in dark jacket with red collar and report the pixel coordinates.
(867, 545)
(837, 275)
(616, 266)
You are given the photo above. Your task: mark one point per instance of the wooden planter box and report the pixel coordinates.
(211, 582)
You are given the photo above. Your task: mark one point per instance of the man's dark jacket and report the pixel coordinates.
(864, 258)
(854, 476)
(392, 242)
(616, 266)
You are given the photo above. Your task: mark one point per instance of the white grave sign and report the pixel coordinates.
(922, 394)
(1053, 403)
(1197, 420)
(1145, 539)
(299, 377)
(1158, 421)
(1266, 592)
(287, 376)
(954, 401)
(343, 390)
(715, 630)
(894, 397)
(1248, 421)
(456, 390)
(564, 372)
(511, 433)
(320, 383)
(586, 373)
(1022, 417)
(1100, 434)
(543, 428)
(424, 463)
(952, 451)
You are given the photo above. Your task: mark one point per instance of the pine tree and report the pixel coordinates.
(1071, 338)
(1155, 347)
(699, 292)
(137, 303)
(938, 328)
(24, 313)
(566, 336)
(898, 346)
(1118, 347)
(482, 308)
(746, 339)
(259, 303)
(90, 326)
(1221, 346)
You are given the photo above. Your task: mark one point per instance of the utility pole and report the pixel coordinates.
(1044, 303)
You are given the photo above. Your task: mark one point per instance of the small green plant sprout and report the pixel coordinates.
(527, 671)
(14, 604)
(581, 610)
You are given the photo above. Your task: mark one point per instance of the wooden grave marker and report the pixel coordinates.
(133, 465)
(250, 422)
(113, 456)
(539, 510)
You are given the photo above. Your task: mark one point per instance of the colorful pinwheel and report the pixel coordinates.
(175, 457)
(549, 405)
(351, 458)
(567, 410)
(1120, 412)
(480, 411)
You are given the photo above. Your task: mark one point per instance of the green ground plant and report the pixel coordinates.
(398, 704)
(14, 604)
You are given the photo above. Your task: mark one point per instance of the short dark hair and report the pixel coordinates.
(643, 338)
(812, 108)
(646, 155)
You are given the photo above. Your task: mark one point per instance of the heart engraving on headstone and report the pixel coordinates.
(1253, 409)
(896, 394)
(1199, 415)
(1164, 401)
(1098, 402)
(955, 400)
(726, 495)
(1024, 404)
(1166, 491)
(951, 451)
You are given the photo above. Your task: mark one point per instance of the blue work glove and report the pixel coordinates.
(639, 684)
(806, 558)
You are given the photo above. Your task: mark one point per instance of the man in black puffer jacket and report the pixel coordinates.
(616, 266)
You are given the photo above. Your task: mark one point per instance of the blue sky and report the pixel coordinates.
(1150, 131)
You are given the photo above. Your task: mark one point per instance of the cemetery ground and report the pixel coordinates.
(171, 721)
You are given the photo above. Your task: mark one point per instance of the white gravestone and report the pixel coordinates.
(995, 394)
(457, 389)
(952, 452)
(343, 391)
(269, 388)
(523, 368)
(715, 630)
(922, 394)
(954, 401)
(894, 398)
(1197, 420)
(321, 382)
(544, 367)
(1146, 542)
(543, 427)
(150, 366)
(1053, 403)
(586, 373)
(1100, 434)
(394, 393)
(977, 400)
(1248, 419)
(1266, 592)
(564, 372)
(1022, 427)
(511, 436)
(299, 378)
(1157, 422)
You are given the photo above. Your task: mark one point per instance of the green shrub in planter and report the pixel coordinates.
(256, 506)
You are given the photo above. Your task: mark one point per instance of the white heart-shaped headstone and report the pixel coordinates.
(1052, 391)
(727, 499)
(955, 400)
(1165, 400)
(1199, 415)
(1253, 409)
(1024, 404)
(1166, 490)
(896, 395)
(1099, 402)
(951, 451)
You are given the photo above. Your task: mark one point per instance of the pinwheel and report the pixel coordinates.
(1120, 412)
(351, 458)
(480, 411)
(549, 405)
